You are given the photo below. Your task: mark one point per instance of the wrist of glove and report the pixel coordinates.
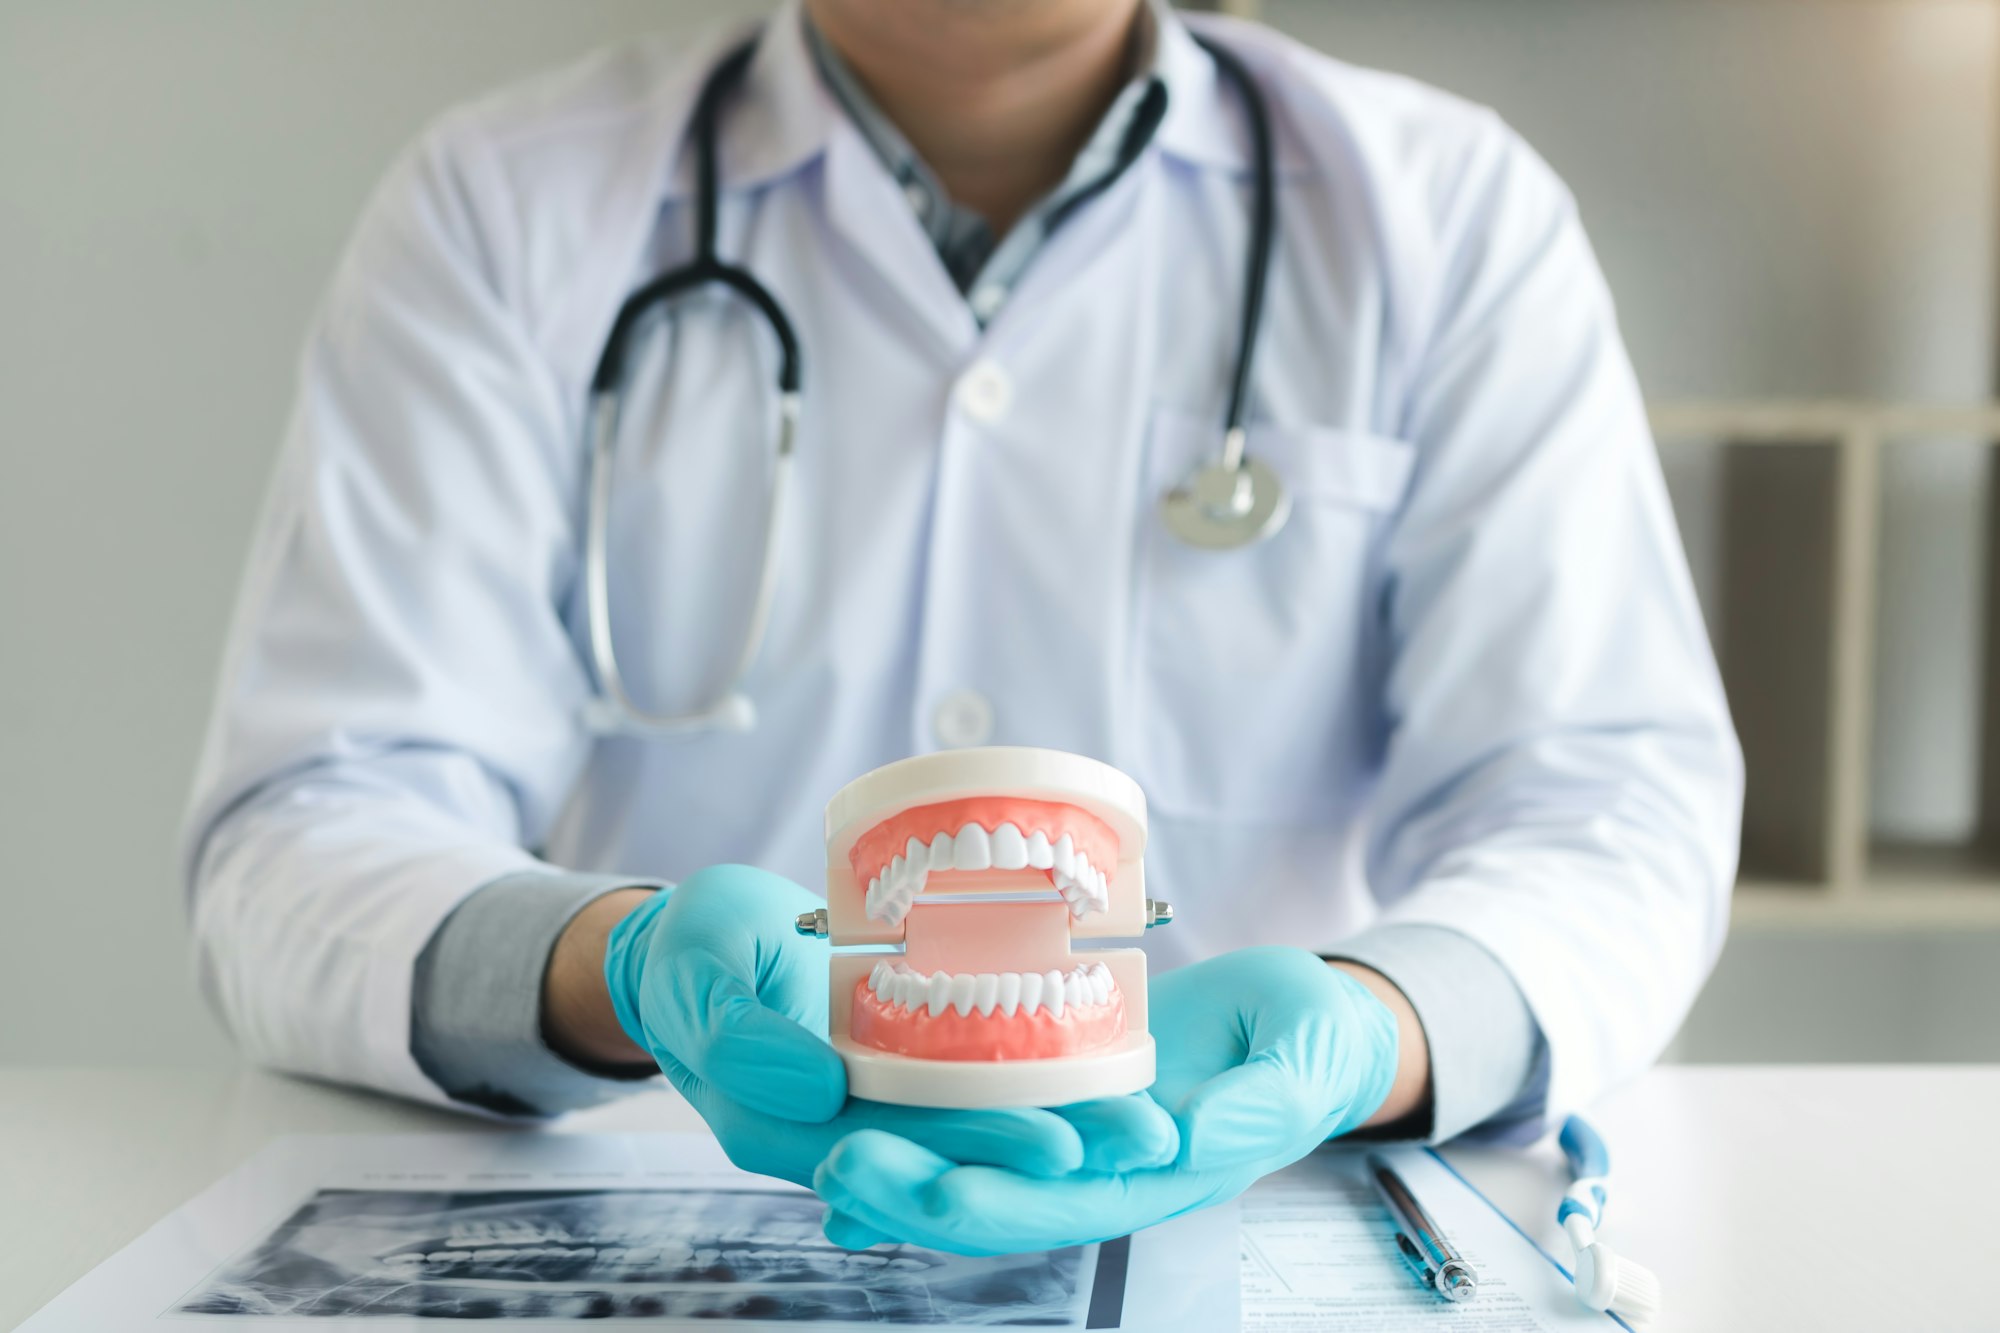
(1263, 1055)
(714, 983)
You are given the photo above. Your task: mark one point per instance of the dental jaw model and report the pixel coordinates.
(984, 866)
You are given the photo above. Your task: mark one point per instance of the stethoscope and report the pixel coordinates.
(1232, 500)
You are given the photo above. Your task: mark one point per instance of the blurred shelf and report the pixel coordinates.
(1797, 611)
(1827, 420)
(1904, 889)
(1768, 905)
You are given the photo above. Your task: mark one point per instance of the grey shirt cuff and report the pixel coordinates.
(476, 1005)
(1489, 1063)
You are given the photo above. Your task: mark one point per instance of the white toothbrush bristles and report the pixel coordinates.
(1607, 1282)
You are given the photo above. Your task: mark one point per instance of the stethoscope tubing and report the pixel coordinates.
(1256, 503)
(617, 711)
(1263, 230)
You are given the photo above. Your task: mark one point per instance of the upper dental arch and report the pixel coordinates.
(892, 892)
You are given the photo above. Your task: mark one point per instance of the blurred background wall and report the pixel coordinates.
(1791, 197)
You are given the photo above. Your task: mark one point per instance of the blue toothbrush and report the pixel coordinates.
(1603, 1280)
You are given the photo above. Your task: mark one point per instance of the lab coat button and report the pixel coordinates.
(963, 718)
(987, 299)
(985, 392)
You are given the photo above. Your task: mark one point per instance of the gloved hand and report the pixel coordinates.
(1263, 1055)
(713, 981)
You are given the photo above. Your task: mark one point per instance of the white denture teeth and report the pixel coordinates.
(972, 849)
(1010, 849)
(1031, 991)
(1009, 993)
(1040, 855)
(896, 887)
(1083, 886)
(891, 893)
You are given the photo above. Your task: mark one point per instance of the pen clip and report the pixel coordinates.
(1413, 1258)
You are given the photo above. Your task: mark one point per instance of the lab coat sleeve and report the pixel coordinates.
(476, 1010)
(1486, 1053)
(1561, 780)
(398, 716)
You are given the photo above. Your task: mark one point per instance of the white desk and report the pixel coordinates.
(1710, 1163)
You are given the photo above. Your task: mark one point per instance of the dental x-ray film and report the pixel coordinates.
(399, 1232)
(710, 1255)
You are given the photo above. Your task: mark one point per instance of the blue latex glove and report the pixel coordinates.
(1263, 1055)
(713, 981)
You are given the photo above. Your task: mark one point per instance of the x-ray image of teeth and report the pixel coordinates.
(596, 1254)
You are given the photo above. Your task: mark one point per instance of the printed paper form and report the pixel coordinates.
(1319, 1254)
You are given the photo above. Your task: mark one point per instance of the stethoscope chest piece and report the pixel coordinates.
(1221, 507)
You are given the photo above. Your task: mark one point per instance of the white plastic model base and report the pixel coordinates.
(984, 866)
(960, 1085)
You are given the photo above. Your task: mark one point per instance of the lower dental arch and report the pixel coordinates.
(965, 1017)
(986, 993)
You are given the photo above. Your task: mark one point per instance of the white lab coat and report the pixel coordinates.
(1468, 685)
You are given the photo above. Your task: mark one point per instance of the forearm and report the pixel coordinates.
(1409, 1097)
(509, 1008)
(577, 1018)
(1470, 1050)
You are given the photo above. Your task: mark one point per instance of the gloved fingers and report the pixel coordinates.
(710, 1018)
(701, 977)
(1123, 1133)
(740, 920)
(1035, 1143)
(1257, 1110)
(900, 1189)
(851, 1234)
(783, 1149)
(1032, 1142)
(870, 1167)
(746, 925)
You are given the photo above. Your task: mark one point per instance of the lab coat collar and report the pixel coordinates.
(779, 122)
(1196, 129)
(1204, 125)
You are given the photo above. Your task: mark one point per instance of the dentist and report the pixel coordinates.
(1441, 778)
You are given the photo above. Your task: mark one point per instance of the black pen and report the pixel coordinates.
(1437, 1264)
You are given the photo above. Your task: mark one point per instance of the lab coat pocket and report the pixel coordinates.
(1257, 672)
